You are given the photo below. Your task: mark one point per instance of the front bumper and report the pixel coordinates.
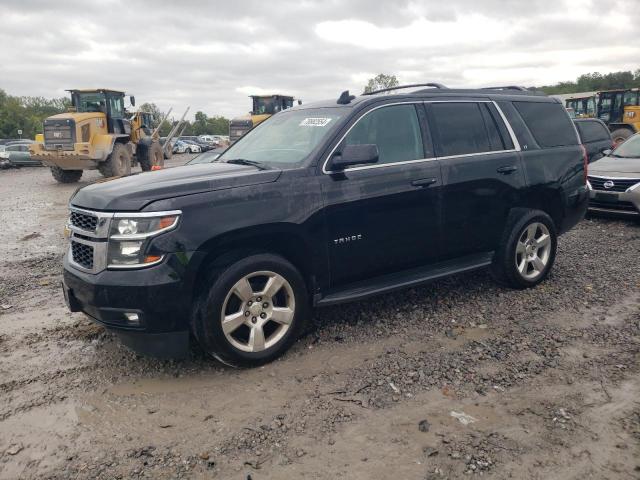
(617, 203)
(149, 309)
(66, 159)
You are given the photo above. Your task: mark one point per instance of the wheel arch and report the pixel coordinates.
(285, 240)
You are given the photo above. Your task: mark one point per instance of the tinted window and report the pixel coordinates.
(592, 131)
(548, 122)
(394, 129)
(464, 128)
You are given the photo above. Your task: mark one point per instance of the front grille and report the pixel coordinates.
(624, 206)
(82, 254)
(619, 185)
(59, 134)
(83, 221)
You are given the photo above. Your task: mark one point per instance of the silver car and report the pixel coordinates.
(614, 180)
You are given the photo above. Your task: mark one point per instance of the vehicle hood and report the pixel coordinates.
(134, 192)
(77, 116)
(613, 165)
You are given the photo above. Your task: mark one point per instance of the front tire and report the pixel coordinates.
(527, 250)
(118, 164)
(252, 312)
(66, 176)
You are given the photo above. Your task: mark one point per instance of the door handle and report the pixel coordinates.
(507, 169)
(424, 182)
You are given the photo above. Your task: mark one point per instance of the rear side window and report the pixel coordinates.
(468, 127)
(394, 129)
(592, 132)
(548, 122)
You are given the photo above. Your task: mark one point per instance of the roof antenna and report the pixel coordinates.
(345, 98)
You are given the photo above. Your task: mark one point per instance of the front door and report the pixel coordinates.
(384, 217)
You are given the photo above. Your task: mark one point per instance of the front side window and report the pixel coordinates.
(395, 130)
(91, 102)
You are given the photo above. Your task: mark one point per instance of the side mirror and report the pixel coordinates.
(299, 102)
(354, 155)
(132, 99)
(606, 151)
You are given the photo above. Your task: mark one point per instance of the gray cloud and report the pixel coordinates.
(211, 54)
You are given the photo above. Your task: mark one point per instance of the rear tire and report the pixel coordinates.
(66, 176)
(262, 301)
(152, 157)
(620, 135)
(527, 249)
(118, 164)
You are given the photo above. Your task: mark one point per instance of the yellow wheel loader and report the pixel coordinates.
(97, 133)
(263, 107)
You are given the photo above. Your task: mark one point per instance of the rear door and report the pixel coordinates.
(481, 174)
(383, 218)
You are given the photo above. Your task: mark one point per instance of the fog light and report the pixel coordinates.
(132, 318)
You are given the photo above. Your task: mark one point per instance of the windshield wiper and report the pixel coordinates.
(252, 163)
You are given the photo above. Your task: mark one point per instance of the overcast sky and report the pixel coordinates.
(212, 54)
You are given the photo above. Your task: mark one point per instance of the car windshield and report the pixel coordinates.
(286, 139)
(628, 149)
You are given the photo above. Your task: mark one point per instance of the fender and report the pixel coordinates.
(103, 144)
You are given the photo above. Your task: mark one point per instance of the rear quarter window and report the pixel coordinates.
(548, 122)
(592, 132)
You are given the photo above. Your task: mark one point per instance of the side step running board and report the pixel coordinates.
(408, 278)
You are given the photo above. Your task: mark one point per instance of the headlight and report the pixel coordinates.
(4, 154)
(130, 234)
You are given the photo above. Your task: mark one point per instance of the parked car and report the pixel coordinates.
(206, 157)
(183, 146)
(18, 154)
(209, 140)
(614, 181)
(323, 204)
(595, 136)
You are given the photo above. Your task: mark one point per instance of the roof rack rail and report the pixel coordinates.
(399, 87)
(507, 87)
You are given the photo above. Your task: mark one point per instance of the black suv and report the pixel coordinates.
(322, 204)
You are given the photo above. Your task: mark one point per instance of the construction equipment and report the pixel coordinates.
(263, 107)
(97, 133)
(619, 109)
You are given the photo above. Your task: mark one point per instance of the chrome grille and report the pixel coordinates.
(619, 184)
(82, 254)
(83, 221)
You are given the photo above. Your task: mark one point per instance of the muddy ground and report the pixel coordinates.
(460, 378)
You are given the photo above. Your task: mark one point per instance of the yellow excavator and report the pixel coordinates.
(263, 107)
(97, 133)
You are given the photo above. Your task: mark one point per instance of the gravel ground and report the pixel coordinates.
(457, 378)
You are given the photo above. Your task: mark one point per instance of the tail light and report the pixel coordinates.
(585, 161)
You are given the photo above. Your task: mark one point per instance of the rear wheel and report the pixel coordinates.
(66, 176)
(620, 135)
(253, 311)
(118, 164)
(527, 250)
(153, 157)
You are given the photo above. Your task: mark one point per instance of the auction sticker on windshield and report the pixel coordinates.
(315, 122)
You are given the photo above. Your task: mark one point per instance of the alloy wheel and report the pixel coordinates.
(533, 250)
(258, 311)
